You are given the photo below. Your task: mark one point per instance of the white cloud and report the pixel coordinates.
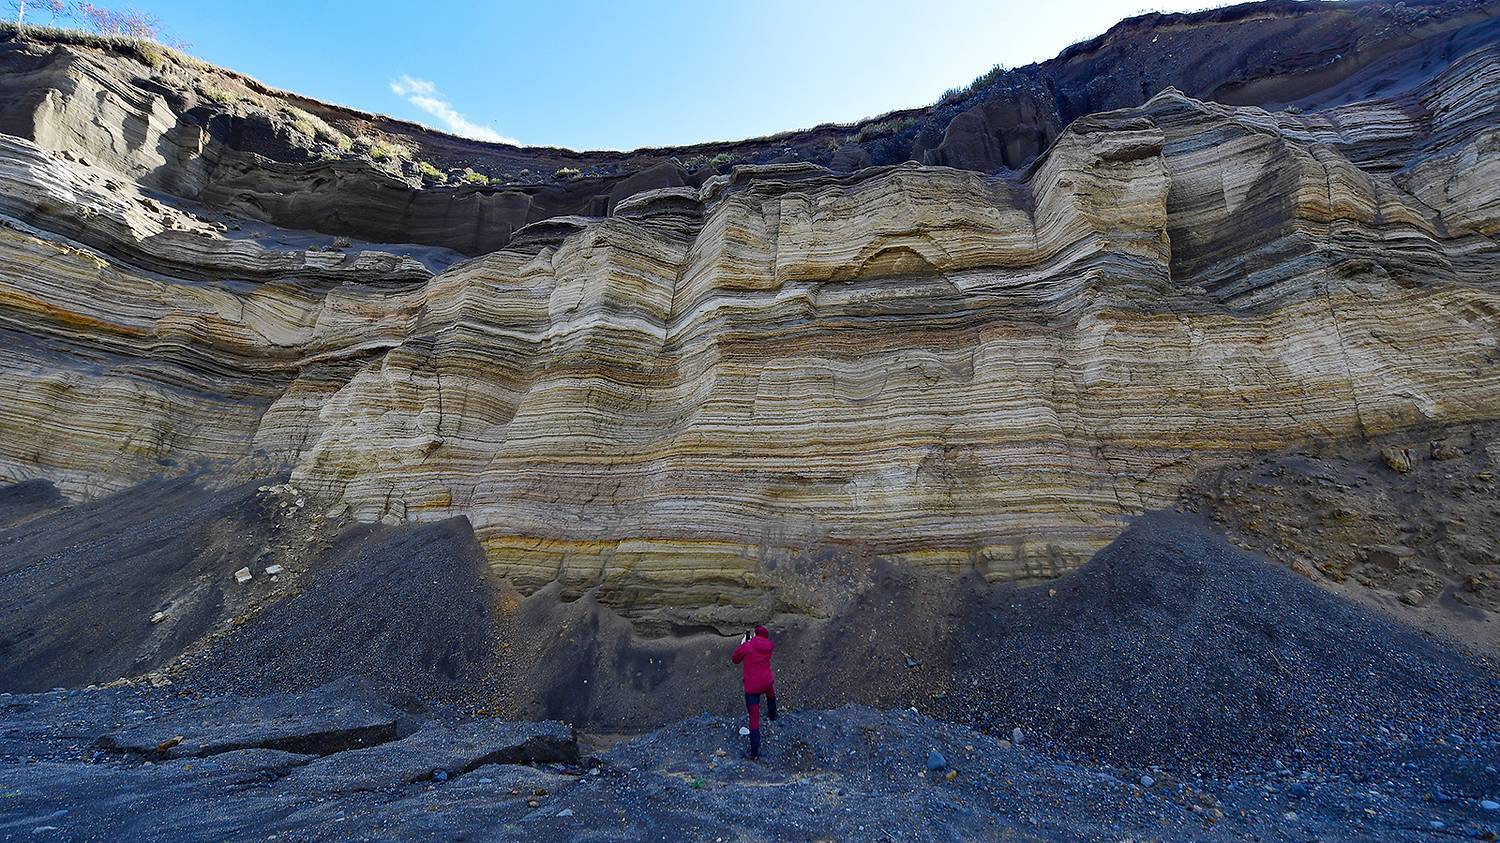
(407, 85)
(425, 95)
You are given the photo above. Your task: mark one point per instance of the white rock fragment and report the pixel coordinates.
(242, 575)
(273, 570)
(158, 617)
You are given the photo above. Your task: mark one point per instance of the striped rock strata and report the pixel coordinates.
(703, 405)
(210, 135)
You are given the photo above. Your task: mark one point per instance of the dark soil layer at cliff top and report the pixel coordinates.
(1268, 54)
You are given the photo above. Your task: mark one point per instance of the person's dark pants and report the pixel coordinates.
(752, 705)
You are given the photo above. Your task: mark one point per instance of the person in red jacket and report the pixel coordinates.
(754, 655)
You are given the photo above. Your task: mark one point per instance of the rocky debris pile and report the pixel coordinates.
(1172, 647)
(412, 611)
(241, 590)
(338, 763)
(1409, 522)
(287, 496)
(340, 717)
(125, 762)
(120, 586)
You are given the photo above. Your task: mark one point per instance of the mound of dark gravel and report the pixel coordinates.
(410, 610)
(79, 584)
(1173, 647)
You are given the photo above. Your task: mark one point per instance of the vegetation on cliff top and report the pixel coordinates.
(125, 30)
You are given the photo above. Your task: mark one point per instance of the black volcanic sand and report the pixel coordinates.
(80, 583)
(1173, 647)
(408, 610)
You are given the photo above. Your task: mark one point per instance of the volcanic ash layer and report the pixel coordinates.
(685, 405)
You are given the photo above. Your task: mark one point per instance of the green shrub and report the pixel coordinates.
(883, 128)
(382, 150)
(720, 161)
(150, 53)
(989, 77)
(316, 127)
(471, 177)
(220, 96)
(566, 173)
(430, 171)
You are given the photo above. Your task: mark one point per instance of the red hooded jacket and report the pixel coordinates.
(755, 655)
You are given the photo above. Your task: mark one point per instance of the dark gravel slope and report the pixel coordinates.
(79, 584)
(1174, 647)
(21, 502)
(410, 610)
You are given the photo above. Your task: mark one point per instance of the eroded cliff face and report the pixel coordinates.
(215, 137)
(705, 404)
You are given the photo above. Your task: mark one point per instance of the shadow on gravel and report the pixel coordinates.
(411, 610)
(79, 584)
(20, 502)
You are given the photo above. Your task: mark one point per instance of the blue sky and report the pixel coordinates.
(630, 73)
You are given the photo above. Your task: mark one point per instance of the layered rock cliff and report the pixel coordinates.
(708, 396)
